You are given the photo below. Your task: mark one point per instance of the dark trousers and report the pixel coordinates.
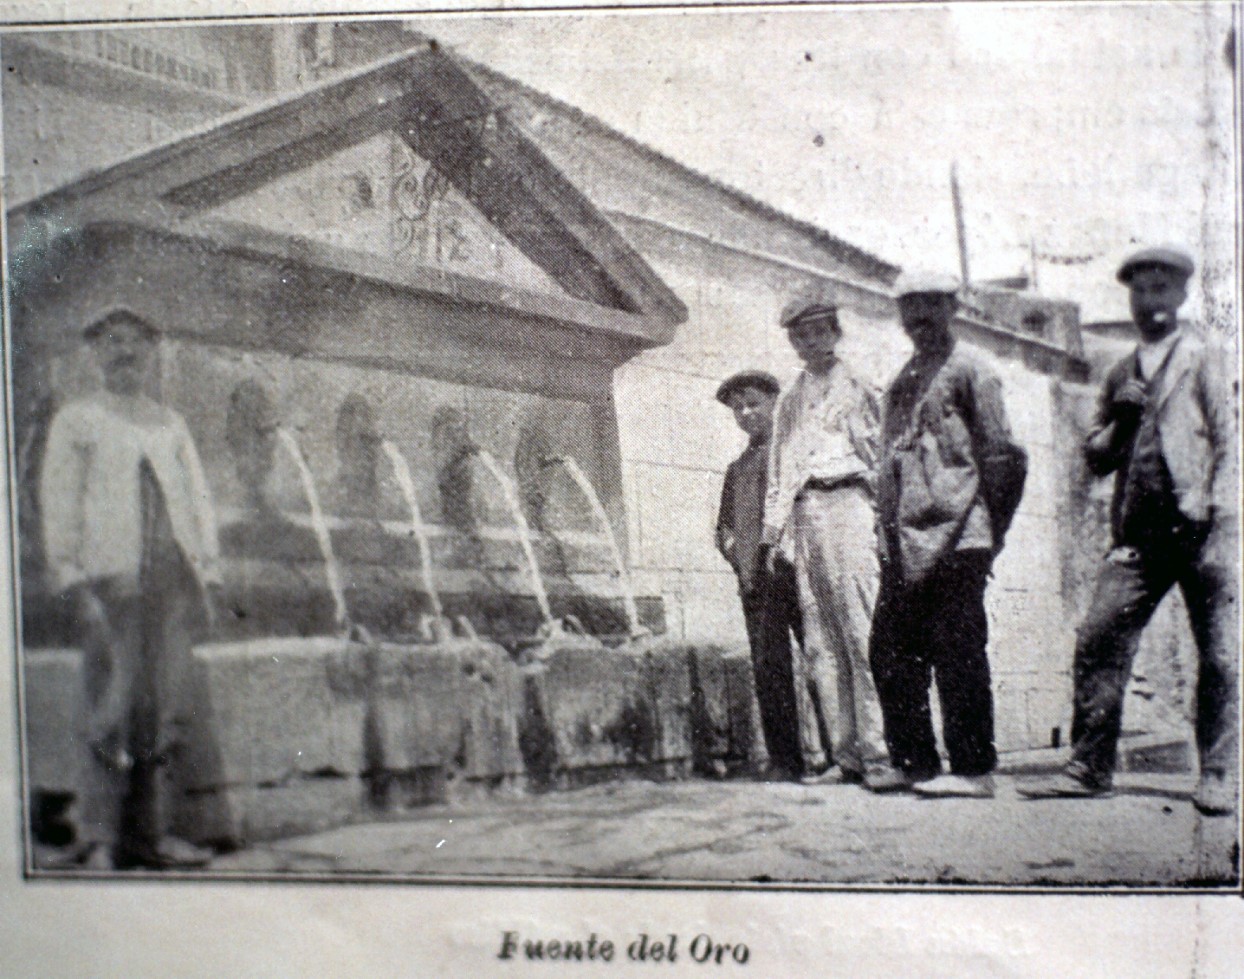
(137, 655)
(1129, 587)
(935, 628)
(771, 610)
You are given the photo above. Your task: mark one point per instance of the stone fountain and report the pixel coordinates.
(413, 452)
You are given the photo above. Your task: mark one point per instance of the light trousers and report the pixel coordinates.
(835, 556)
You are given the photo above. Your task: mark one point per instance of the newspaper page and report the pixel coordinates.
(742, 488)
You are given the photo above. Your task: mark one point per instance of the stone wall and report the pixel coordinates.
(676, 442)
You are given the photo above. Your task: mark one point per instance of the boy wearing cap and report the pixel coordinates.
(819, 510)
(950, 479)
(770, 602)
(1165, 427)
(130, 540)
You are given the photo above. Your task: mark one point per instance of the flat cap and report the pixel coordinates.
(115, 317)
(763, 380)
(807, 308)
(1164, 256)
(925, 283)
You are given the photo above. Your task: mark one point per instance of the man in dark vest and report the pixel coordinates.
(770, 598)
(1165, 428)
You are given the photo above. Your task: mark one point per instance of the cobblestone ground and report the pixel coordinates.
(1148, 834)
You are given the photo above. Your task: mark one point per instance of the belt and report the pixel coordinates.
(825, 485)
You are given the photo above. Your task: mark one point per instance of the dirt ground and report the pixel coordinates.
(1147, 835)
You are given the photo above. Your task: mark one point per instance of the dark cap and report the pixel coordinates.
(115, 317)
(805, 308)
(1162, 257)
(761, 380)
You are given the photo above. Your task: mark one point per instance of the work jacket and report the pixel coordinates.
(951, 475)
(1195, 418)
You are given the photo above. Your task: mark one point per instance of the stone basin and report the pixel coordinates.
(648, 706)
(297, 734)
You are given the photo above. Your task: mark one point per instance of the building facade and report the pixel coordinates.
(634, 403)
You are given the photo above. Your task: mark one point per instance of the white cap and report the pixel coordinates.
(921, 283)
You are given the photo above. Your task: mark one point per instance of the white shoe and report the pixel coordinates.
(1215, 795)
(956, 786)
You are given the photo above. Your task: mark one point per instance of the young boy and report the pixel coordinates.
(770, 602)
(820, 510)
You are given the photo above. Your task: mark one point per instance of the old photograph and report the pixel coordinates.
(745, 449)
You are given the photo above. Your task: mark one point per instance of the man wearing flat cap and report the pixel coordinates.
(770, 600)
(130, 541)
(950, 479)
(1165, 426)
(819, 512)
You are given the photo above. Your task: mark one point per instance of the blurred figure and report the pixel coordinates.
(130, 538)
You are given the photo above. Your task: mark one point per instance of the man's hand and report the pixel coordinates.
(1129, 400)
(766, 558)
(90, 610)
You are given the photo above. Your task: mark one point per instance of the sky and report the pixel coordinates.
(1080, 132)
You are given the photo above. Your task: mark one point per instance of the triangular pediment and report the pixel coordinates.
(404, 172)
(381, 198)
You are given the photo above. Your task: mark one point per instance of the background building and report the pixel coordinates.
(732, 261)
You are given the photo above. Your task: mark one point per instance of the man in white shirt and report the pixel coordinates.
(819, 510)
(130, 540)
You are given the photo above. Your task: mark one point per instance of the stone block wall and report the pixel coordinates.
(676, 442)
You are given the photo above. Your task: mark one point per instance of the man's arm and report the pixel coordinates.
(725, 532)
(1218, 400)
(1117, 415)
(774, 519)
(1001, 461)
(62, 499)
(864, 427)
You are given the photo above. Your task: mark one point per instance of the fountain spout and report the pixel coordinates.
(584, 484)
(320, 526)
(524, 531)
(406, 483)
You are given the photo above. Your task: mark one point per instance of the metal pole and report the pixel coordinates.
(957, 201)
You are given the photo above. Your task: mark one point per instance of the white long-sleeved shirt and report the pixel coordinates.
(825, 429)
(90, 495)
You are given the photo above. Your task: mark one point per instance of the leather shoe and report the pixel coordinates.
(956, 786)
(888, 780)
(776, 772)
(1215, 795)
(170, 853)
(91, 857)
(1063, 786)
(834, 775)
